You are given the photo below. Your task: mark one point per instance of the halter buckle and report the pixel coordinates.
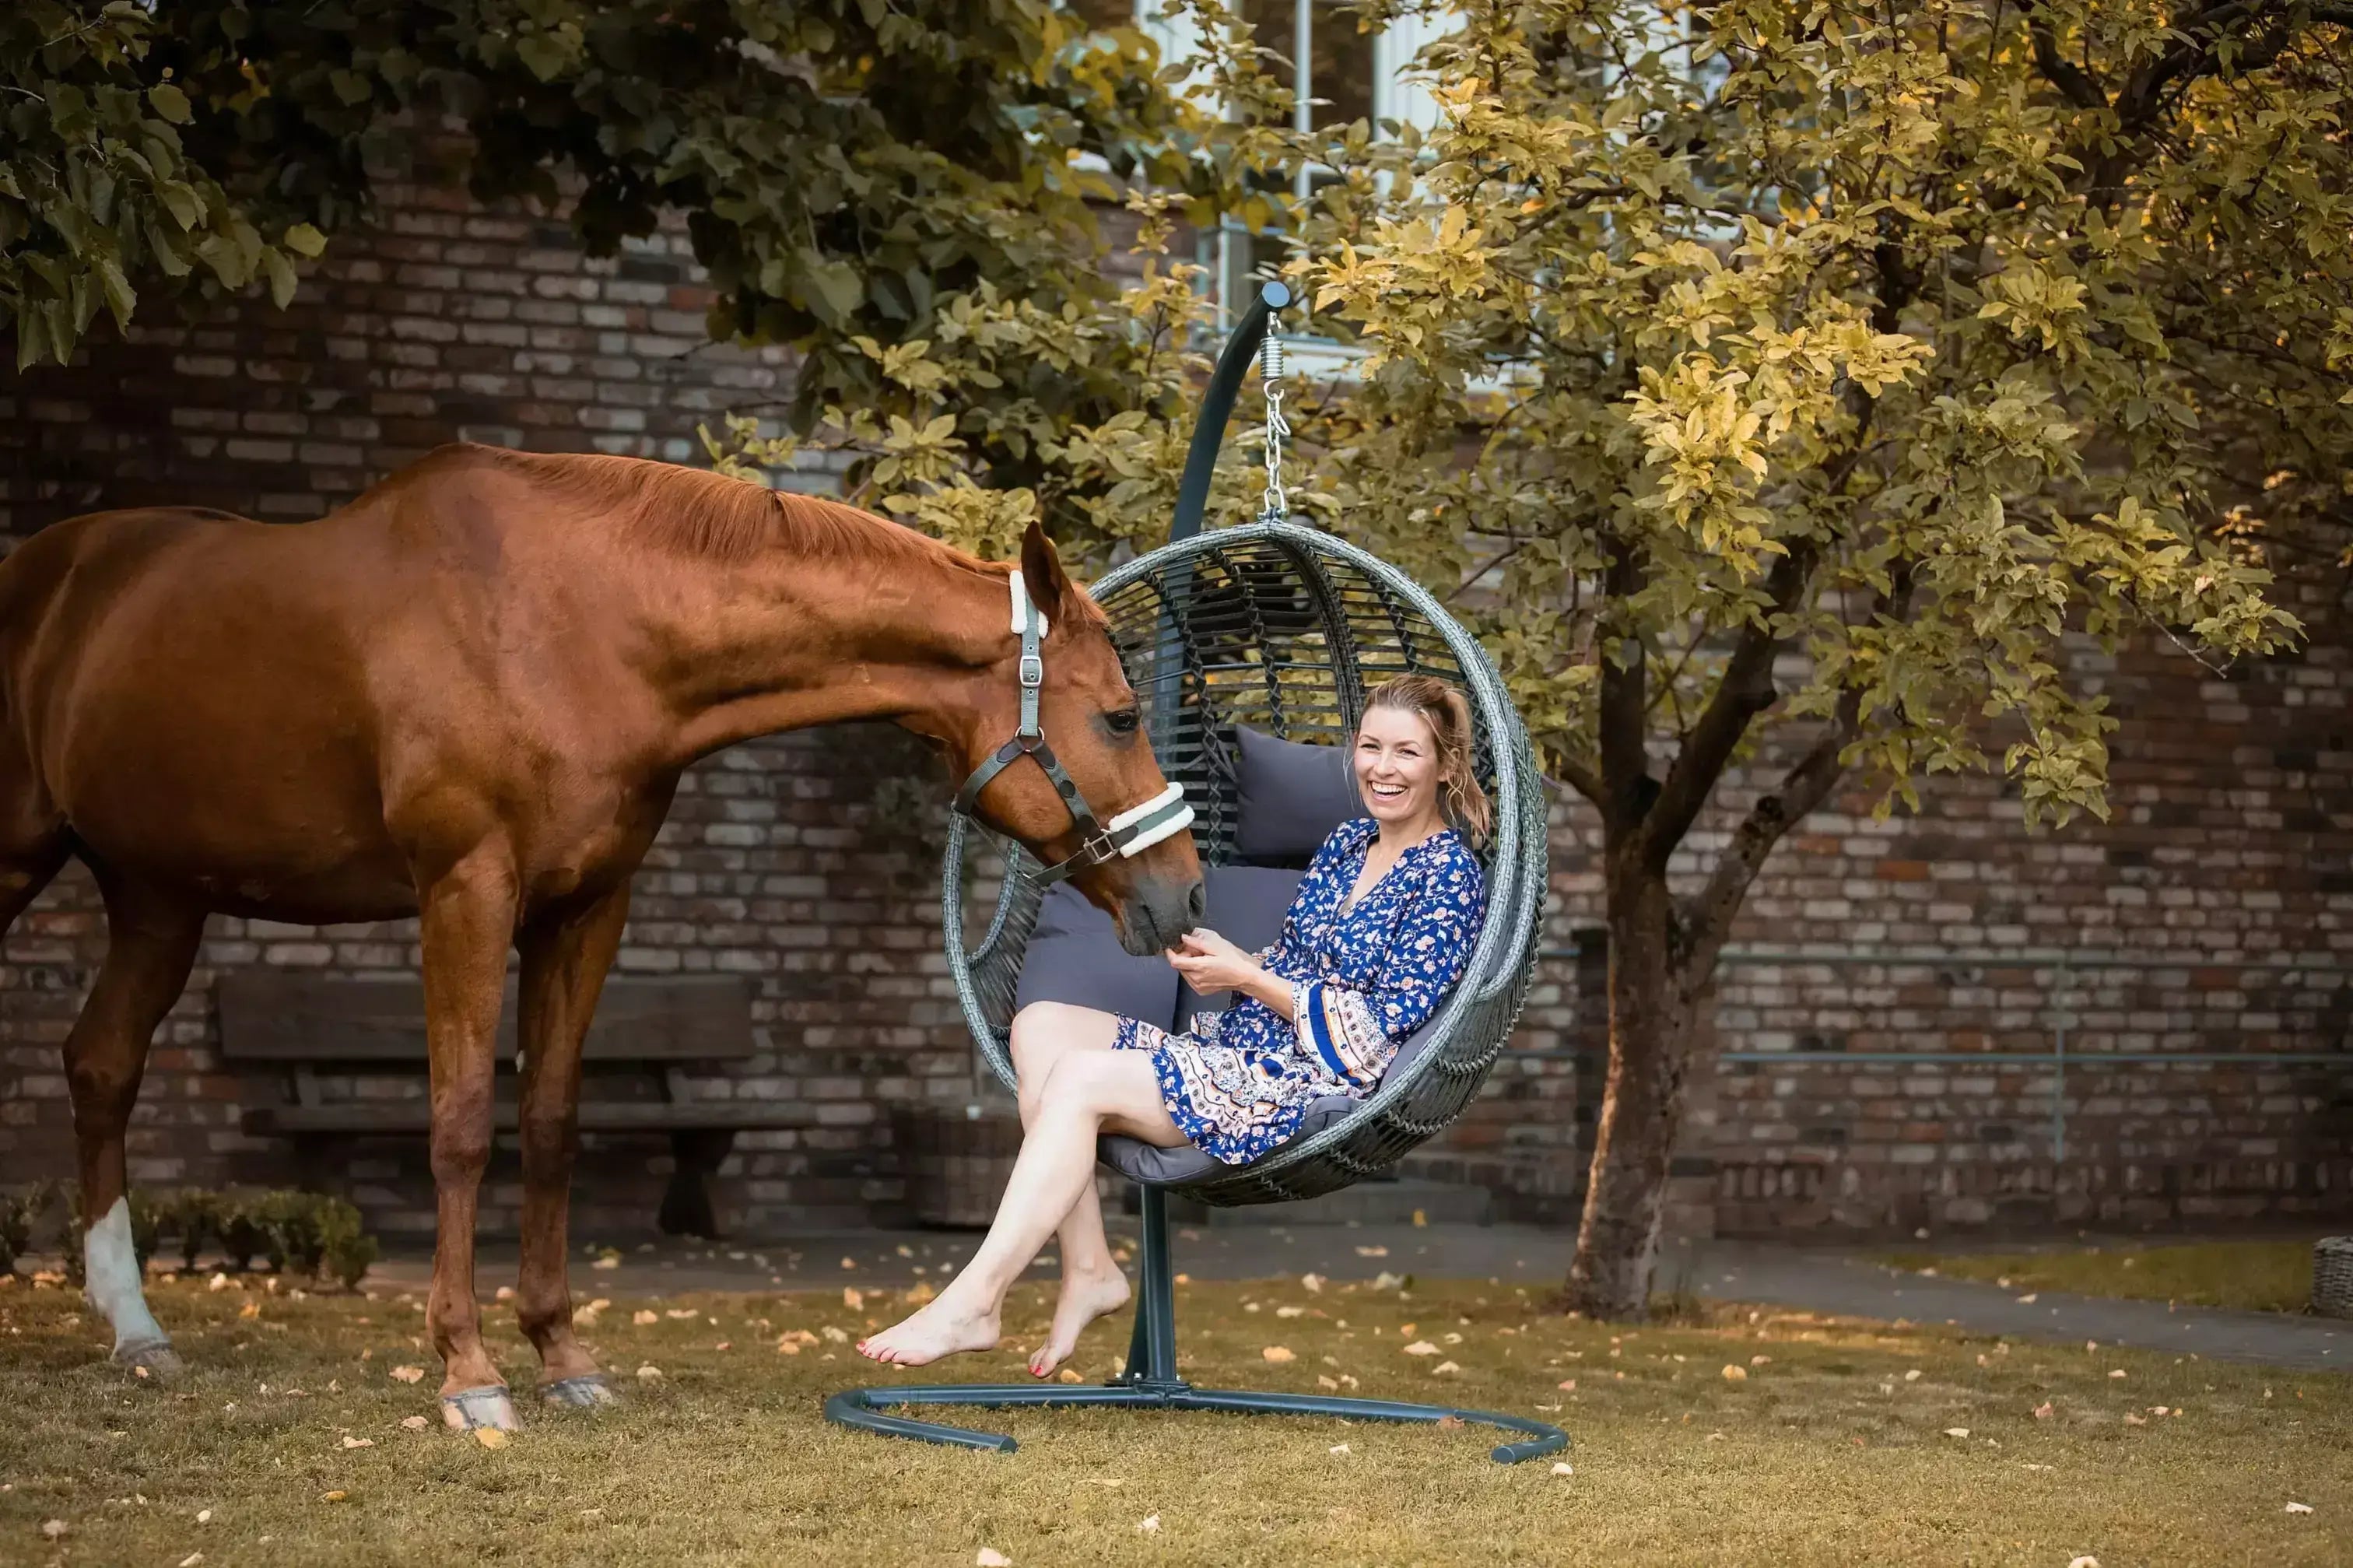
(1033, 670)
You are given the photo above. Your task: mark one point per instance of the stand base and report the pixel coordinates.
(865, 1409)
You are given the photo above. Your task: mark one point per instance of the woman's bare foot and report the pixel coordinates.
(1085, 1297)
(940, 1328)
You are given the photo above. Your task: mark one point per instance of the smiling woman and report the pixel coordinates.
(1380, 930)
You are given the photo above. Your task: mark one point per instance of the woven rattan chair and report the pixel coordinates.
(1284, 629)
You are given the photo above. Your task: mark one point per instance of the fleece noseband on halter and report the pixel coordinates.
(1130, 832)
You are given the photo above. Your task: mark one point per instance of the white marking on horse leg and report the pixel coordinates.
(112, 1269)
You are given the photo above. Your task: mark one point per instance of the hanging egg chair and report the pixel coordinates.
(1251, 650)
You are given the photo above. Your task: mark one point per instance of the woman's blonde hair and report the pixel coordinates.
(1447, 712)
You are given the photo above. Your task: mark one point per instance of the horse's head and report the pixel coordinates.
(1143, 873)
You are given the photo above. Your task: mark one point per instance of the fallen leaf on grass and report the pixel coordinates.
(1148, 1525)
(1957, 1431)
(853, 1298)
(1562, 1468)
(1372, 1251)
(1912, 1376)
(608, 1258)
(491, 1437)
(359, 1441)
(1733, 1373)
(1449, 1423)
(2085, 1562)
(192, 1559)
(789, 1346)
(203, 1516)
(2132, 1420)
(990, 1557)
(1568, 1385)
(1067, 1375)
(1420, 1218)
(1422, 1348)
(338, 1495)
(407, 1374)
(2043, 1411)
(2029, 1298)
(415, 1423)
(921, 1293)
(1290, 1311)
(834, 1336)
(250, 1309)
(682, 1312)
(1311, 1282)
(649, 1374)
(644, 1315)
(2119, 1371)
(2300, 1507)
(1444, 1367)
(1277, 1354)
(1338, 1449)
(55, 1529)
(1323, 1382)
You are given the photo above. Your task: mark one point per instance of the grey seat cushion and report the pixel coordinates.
(1289, 795)
(1141, 1161)
(1075, 955)
(1245, 905)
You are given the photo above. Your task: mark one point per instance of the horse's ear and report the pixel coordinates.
(1042, 577)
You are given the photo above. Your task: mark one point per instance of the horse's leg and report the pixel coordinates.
(467, 925)
(564, 965)
(151, 942)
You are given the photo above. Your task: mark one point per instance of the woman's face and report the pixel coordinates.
(1397, 766)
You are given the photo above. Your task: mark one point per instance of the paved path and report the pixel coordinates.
(1811, 1279)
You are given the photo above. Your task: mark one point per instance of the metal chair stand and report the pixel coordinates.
(1151, 1382)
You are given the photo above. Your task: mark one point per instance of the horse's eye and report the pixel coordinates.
(1126, 721)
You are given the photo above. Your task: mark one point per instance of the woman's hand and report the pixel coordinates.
(1210, 963)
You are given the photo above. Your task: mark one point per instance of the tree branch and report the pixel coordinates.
(1743, 691)
(1707, 919)
(1625, 781)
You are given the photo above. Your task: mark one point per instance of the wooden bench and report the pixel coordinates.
(352, 1051)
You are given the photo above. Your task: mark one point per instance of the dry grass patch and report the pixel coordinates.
(2253, 1276)
(1842, 1442)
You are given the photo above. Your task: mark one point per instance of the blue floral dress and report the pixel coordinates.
(1363, 979)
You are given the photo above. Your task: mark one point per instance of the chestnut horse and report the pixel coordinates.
(467, 696)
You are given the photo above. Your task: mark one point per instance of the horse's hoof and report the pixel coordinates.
(470, 1408)
(585, 1391)
(150, 1359)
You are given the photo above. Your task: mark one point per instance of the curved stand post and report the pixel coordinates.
(1150, 1383)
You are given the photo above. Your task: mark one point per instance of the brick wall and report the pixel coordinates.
(2228, 847)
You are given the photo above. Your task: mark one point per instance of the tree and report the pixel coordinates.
(1800, 381)
(845, 165)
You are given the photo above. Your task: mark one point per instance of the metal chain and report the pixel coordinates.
(1274, 506)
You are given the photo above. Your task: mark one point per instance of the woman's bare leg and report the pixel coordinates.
(1085, 1093)
(1092, 1282)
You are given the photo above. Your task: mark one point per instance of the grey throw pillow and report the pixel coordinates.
(1075, 955)
(1246, 906)
(1289, 797)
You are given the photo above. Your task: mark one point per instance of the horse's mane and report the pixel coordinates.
(708, 516)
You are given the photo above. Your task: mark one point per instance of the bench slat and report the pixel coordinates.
(408, 1118)
(274, 1015)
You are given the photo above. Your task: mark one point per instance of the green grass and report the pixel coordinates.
(2253, 1276)
(1832, 1449)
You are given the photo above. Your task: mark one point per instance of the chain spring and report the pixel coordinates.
(1274, 506)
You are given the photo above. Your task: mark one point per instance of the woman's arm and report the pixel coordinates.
(1355, 1031)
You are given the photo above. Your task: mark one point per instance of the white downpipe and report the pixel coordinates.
(110, 1273)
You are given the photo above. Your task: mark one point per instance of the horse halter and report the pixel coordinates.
(1130, 832)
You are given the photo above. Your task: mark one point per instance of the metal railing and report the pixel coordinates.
(2061, 963)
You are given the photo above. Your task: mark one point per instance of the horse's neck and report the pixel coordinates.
(789, 642)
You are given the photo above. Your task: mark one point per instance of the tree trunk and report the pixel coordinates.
(1650, 1045)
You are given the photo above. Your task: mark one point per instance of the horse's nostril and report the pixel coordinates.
(1197, 903)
